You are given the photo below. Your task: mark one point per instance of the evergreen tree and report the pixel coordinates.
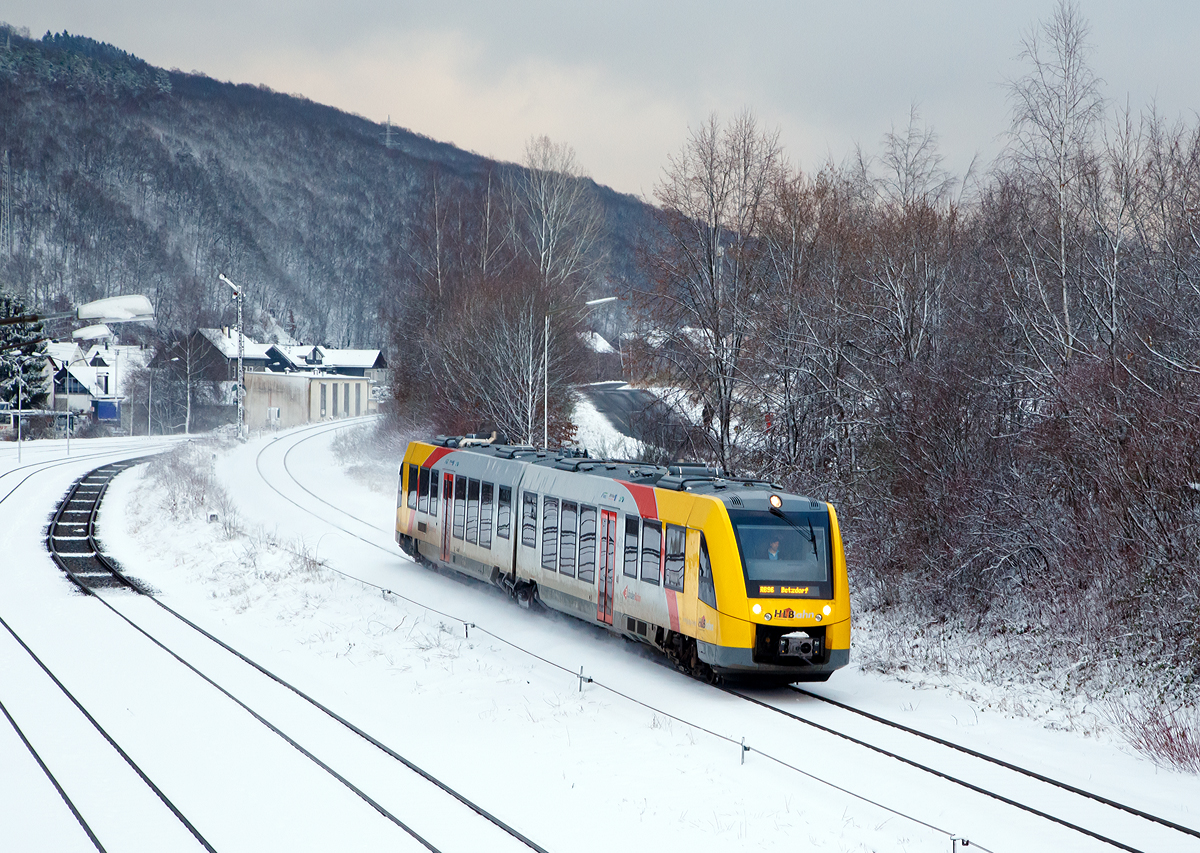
(22, 358)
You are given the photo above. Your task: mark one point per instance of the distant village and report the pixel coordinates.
(189, 385)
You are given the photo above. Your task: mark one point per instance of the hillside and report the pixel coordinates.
(123, 177)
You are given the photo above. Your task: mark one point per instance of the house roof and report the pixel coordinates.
(307, 357)
(227, 344)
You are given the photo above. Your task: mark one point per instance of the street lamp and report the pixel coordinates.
(546, 367)
(237, 296)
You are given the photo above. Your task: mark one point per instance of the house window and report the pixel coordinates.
(323, 390)
(673, 562)
(504, 512)
(335, 399)
(587, 543)
(473, 511)
(346, 399)
(357, 399)
(549, 533)
(568, 531)
(460, 506)
(413, 477)
(529, 519)
(651, 551)
(632, 522)
(485, 515)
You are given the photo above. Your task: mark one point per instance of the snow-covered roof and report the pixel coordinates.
(63, 352)
(227, 344)
(357, 358)
(299, 357)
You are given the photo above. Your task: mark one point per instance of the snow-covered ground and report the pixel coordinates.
(462, 682)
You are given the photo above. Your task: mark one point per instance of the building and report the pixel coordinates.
(282, 400)
(342, 362)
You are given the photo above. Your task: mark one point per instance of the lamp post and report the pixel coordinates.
(591, 303)
(237, 296)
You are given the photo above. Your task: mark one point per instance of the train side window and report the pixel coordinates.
(504, 512)
(423, 495)
(460, 506)
(485, 515)
(549, 533)
(567, 541)
(413, 477)
(529, 519)
(651, 551)
(632, 524)
(673, 562)
(707, 593)
(587, 544)
(473, 511)
(435, 477)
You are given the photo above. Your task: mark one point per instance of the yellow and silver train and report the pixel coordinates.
(727, 577)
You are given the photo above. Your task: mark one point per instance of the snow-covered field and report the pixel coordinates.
(460, 681)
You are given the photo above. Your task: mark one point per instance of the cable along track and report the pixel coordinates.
(980, 756)
(70, 539)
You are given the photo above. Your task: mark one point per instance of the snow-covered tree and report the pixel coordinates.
(22, 358)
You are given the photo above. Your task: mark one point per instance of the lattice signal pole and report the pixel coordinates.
(241, 411)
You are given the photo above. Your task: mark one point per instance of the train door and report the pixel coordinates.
(608, 565)
(447, 508)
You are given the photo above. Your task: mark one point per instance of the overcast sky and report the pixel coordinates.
(622, 81)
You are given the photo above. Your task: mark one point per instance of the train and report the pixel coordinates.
(729, 578)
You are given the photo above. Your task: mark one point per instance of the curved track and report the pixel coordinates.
(459, 820)
(1042, 789)
(1135, 829)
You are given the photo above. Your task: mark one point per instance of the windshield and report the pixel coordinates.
(784, 556)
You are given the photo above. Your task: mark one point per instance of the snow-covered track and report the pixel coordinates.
(446, 815)
(13, 479)
(1008, 765)
(1019, 790)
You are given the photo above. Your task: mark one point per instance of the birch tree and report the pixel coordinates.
(1056, 107)
(709, 268)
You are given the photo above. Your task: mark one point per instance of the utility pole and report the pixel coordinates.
(6, 227)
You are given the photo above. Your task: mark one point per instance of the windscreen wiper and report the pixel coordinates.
(812, 536)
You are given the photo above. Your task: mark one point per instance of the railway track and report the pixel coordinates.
(1126, 827)
(72, 545)
(1032, 793)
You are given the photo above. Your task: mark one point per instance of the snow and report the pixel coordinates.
(596, 343)
(458, 679)
(595, 431)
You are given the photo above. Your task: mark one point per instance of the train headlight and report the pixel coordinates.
(826, 609)
(776, 501)
(757, 609)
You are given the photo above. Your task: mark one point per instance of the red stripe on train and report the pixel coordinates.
(644, 495)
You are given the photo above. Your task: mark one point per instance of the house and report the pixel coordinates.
(217, 351)
(368, 363)
(93, 381)
(281, 400)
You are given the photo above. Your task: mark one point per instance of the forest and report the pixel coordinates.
(119, 177)
(994, 377)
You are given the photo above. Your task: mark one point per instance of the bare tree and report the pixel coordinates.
(556, 217)
(1055, 110)
(710, 268)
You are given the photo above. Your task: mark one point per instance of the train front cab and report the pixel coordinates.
(762, 634)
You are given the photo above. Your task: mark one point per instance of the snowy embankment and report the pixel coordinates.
(469, 686)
